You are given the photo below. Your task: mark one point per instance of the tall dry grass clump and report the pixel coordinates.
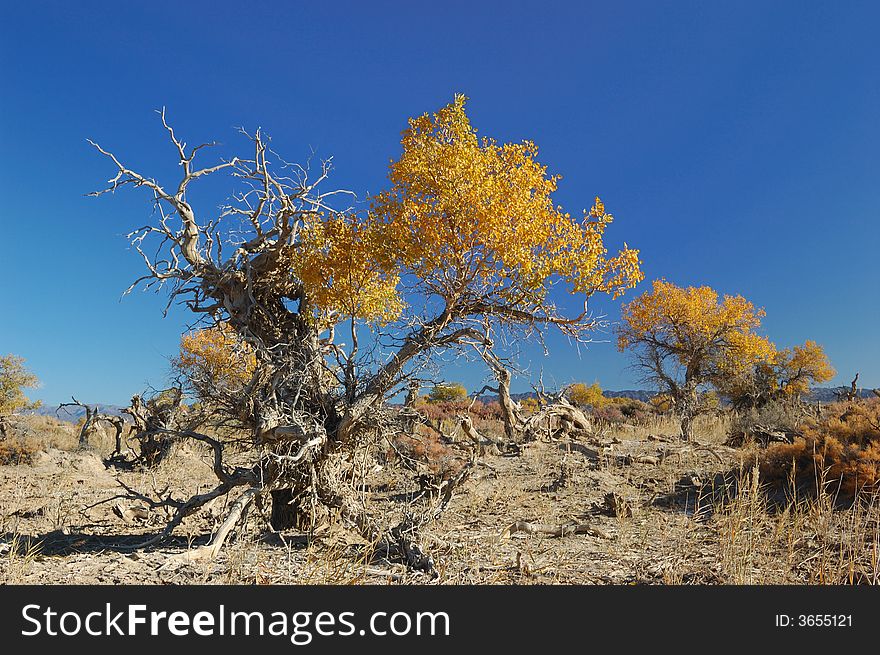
(839, 451)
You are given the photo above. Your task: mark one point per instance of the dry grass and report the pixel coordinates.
(840, 451)
(805, 540)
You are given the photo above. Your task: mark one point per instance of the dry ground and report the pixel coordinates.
(696, 515)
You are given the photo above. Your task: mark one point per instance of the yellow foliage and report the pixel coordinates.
(715, 340)
(473, 218)
(341, 264)
(453, 392)
(14, 378)
(581, 394)
(788, 374)
(662, 402)
(218, 355)
(796, 367)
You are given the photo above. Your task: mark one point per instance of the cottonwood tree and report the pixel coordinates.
(447, 393)
(785, 377)
(687, 339)
(581, 394)
(462, 249)
(14, 379)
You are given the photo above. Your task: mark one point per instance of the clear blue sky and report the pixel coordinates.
(738, 145)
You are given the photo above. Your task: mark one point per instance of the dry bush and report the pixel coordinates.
(609, 414)
(805, 540)
(18, 451)
(776, 415)
(449, 410)
(840, 451)
(29, 435)
(427, 450)
(624, 410)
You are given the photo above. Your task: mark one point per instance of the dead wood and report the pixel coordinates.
(553, 530)
(479, 440)
(237, 513)
(91, 422)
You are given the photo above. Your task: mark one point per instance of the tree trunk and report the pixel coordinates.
(687, 422)
(688, 407)
(284, 510)
(512, 421)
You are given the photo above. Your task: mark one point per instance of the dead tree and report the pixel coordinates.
(311, 401)
(155, 422)
(849, 394)
(92, 421)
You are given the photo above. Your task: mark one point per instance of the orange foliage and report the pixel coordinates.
(841, 449)
(426, 450)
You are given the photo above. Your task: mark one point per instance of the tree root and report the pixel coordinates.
(238, 512)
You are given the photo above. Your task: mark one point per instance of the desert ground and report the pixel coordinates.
(633, 504)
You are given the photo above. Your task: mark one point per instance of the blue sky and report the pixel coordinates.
(737, 144)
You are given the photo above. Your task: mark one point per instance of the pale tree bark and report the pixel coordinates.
(309, 403)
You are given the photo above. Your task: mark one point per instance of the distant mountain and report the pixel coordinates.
(829, 394)
(73, 413)
(819, 394)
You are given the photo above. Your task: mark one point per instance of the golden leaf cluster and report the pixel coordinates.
(472, 218)
(14, 378)
(216, 354)
(794, 368)
(580, 394)
(344, 268)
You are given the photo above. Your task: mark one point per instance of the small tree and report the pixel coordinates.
(14, 379)
(787, 376)
(686, 339)
(448, 393)
(581, 394)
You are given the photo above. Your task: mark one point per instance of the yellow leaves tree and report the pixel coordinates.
(14, 379)
(688, 338)
(787, 376)
(798, 367)
(581, 394)
(461, 250)
(474, 223)
(452, 392)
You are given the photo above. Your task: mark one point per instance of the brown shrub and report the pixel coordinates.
(427, 450)
(442, 411)
(18, 451)
(624, 410)
(609, 414)
(841, 450)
